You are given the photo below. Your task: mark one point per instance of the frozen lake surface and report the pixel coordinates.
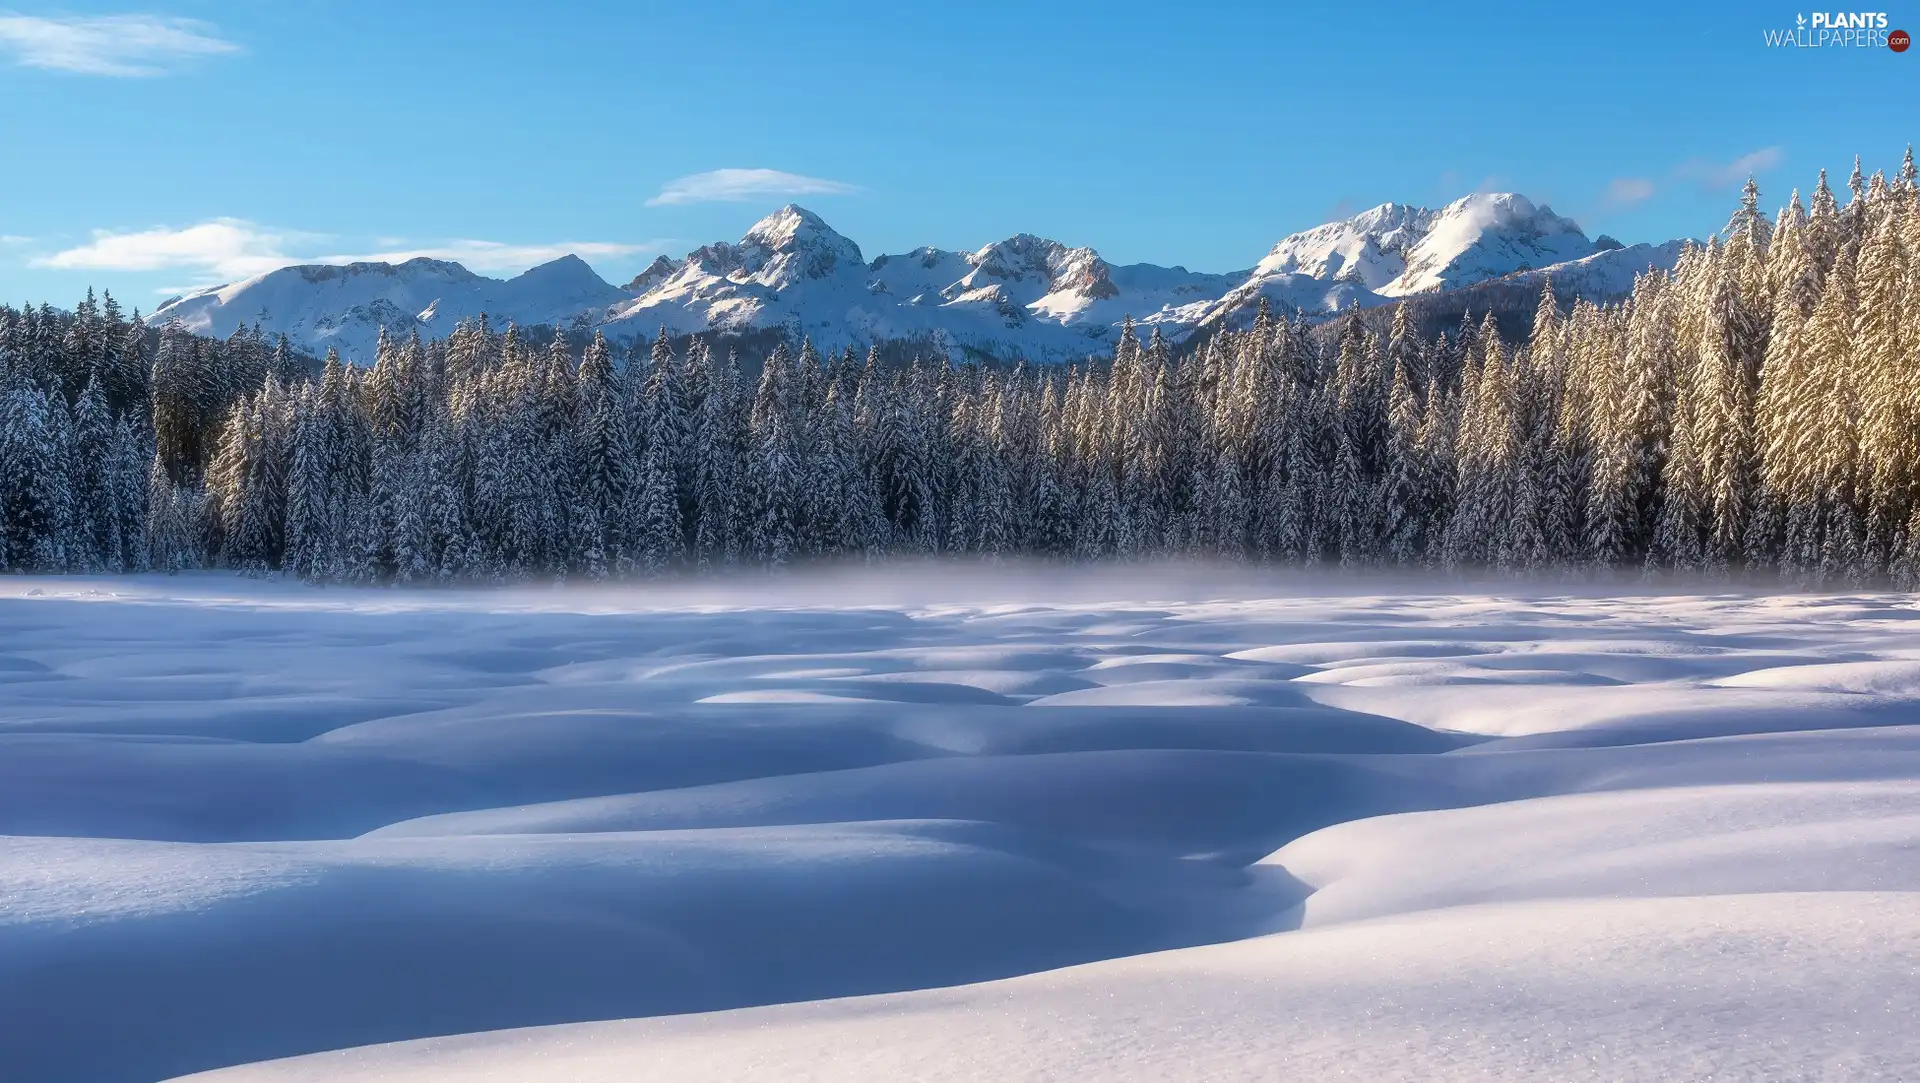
(955, 825)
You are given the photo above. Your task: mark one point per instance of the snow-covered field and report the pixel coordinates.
(1166, 825)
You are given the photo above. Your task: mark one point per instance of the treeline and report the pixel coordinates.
(86, 397)
(1753, 413)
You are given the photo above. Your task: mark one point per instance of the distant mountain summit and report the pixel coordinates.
(1369, 249)
(1025, 296)
(1485, 236)
(320, 306)
(1395, 250)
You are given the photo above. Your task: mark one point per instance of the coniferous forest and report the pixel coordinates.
(1753, 414)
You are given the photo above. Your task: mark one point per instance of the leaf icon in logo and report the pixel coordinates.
(1800, 19)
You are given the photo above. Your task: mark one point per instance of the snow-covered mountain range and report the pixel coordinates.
(1025, 296)
(320, 305)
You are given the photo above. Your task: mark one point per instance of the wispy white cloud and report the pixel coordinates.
(739, 185)
(116, 45)
(13, 240)
(225, 249)
(1627, 191)
(1718, 175)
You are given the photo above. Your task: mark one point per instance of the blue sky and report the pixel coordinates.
(157, 147)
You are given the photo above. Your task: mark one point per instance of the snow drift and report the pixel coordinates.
(954, 827)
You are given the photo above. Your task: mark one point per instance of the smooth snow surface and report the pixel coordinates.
(961, 825)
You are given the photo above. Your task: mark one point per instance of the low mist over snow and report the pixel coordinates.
(1452, 834)
(1025, 296)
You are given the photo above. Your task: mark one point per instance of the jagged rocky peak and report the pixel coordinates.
(1509, 213)
(416, 268)
(661, 269)
(793, 244)
(1027, 258)
(721, 258)
(1389, 217)
(1369, 248)
(1486, 235)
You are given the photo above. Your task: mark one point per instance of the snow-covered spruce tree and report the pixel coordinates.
(670, 421)
(1359, 438)
(655, 511)
(1404, 525)
(1783, 409)
(37, 502)
(95, 540)
(310, 539)
(1438, 477)
(1679, 534)
(772, 483)
(1882, 363)
(1612, 532)
(128, 457)
(236, 501)
(902, 472)
(602, 467)
(1488, 453)
(716, 455)
(1830, 535)
(1725, 385)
